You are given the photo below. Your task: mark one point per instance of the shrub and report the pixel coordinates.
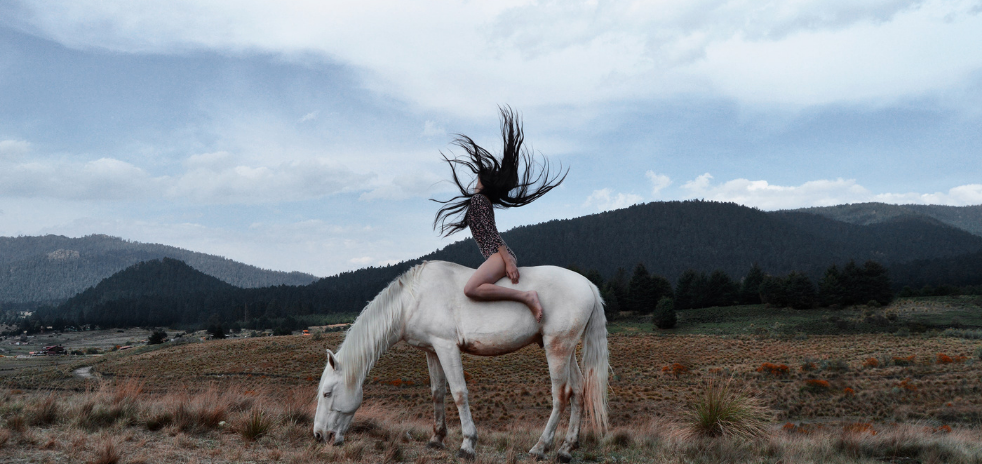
(157, 337)
(664, 317)
(724, 412)
(871, 362)
(817, 386)
(779, 370)
(675, 369)
(904, 361)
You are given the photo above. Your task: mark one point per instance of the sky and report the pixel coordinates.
(307, 136)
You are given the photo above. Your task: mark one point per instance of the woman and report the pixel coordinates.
(501, 184)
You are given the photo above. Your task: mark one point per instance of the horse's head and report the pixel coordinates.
(336, 403)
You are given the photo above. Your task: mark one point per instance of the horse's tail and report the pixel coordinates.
(596, 365)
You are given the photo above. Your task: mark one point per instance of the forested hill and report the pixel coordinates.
(152, 293)
(967, 218)
(55, 267)
(670, 237)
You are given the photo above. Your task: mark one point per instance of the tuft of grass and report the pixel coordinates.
(45, 412)
(297, 407)
(17, 423)
(256, 424)
(722, 411)
(107, 454)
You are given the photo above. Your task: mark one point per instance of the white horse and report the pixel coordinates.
(426, 308)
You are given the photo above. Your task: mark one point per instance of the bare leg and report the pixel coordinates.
(481, 286)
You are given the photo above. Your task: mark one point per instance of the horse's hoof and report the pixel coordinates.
(466, 455)
(537, 455)
(563, 456)
(435, 445)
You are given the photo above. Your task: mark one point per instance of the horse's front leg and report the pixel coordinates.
(454, 370)
(438, 385)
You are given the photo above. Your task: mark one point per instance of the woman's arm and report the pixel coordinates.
(511, 268)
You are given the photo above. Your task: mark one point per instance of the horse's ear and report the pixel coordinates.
(332, 360)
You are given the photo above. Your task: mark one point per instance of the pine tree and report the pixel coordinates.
(685, 297)
(750, 285)
(799, 291)
(773, 291)
(830, 289)
(877, 280)
(720, 290)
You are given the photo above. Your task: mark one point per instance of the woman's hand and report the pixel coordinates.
(511, 268)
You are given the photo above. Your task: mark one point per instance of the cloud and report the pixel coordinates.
(463, 56)
(606, 200)
(431, 129)
(767, 196)
(658, 182)
(13, 148)
(216, 178)
(308, 117)
(412, 185)
(100, 179)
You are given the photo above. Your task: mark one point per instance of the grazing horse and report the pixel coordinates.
(426, 308)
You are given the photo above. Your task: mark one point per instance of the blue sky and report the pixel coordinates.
(306, 135)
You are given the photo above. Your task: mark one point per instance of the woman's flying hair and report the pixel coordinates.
(505, 183)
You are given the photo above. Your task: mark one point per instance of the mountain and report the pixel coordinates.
(151, 293)
(670, 237)
(667, 237)
(54, 267)
(968, 218)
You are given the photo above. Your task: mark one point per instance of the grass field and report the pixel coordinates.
(830, 398)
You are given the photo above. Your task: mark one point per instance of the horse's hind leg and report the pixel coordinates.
(438, 385)
(572, 440)
(557, 354)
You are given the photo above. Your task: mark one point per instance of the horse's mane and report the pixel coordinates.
(376, 328)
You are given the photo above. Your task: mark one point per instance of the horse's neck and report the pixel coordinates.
(379, 326)
(357, 363)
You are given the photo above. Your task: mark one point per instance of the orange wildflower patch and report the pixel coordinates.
(774, 369)
(945, 359)
(849, 392)
(817, 386)
(871, 362)
(906, 384)
(675, 369)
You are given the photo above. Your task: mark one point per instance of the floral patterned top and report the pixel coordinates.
(480, 219)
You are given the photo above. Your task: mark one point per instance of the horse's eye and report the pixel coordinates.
(327, 394)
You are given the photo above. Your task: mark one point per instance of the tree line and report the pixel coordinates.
(644, 293)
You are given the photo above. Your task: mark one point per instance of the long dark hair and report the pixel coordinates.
(504, 182)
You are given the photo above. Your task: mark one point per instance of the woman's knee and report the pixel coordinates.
(470, 290)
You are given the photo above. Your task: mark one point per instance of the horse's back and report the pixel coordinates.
(496, 327)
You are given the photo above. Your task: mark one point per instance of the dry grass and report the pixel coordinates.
(258, 437)
(191, 403)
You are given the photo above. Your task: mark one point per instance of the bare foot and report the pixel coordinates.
(534, 305)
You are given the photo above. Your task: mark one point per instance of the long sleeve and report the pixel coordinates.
(480, 219)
